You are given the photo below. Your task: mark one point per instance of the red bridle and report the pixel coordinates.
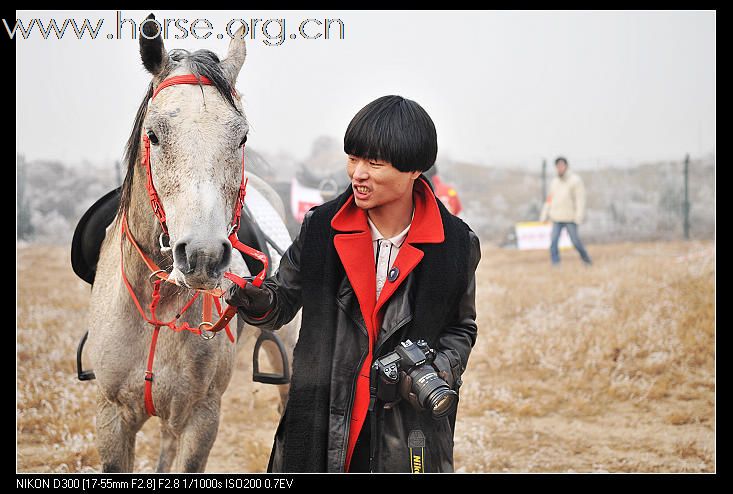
(210, 296)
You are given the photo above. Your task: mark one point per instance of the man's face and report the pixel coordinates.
(561, 168)
(377, 183)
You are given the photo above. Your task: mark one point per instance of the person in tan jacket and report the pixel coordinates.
(565, 206)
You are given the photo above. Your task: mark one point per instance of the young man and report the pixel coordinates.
(565, 206)
(382, 263)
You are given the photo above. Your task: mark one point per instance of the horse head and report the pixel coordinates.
(195, 135)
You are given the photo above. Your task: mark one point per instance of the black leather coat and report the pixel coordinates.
(393, 441)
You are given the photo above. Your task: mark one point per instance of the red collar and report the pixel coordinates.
(427, 225)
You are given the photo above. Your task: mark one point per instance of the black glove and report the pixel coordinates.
(251, 300)
(405, 389)
(442, 366)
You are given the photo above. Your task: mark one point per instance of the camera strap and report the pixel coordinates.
(372, 415)
(416, 445)
(373, 438)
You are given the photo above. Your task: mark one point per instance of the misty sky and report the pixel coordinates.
(503, 88)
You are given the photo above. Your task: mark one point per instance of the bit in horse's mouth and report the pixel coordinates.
(203, 286)
(178, 278)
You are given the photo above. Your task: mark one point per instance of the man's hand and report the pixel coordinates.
(405, 389)
(447, 377)
(251, 300)
(442, 366)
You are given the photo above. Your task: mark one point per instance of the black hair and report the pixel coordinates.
(559, 159)
(396, 130)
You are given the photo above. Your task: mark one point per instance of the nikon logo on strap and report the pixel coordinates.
(416, 445)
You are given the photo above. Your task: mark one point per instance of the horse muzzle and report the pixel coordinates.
(202, 262)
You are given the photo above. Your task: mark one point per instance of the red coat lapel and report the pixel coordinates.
(355, 247)
(427, 227)
(355, 251)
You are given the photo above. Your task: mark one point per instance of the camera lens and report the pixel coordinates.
(432, 392)
(443, 402)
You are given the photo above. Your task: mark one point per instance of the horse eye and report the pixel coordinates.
(153, 138)
(243, 141)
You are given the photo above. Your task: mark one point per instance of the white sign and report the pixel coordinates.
(303, 198)
(535, 235)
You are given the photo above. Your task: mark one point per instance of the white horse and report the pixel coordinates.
(196, 135)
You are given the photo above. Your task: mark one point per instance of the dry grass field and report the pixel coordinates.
(603, 369)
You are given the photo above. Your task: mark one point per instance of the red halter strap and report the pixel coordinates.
(210, 296)
(182, 79)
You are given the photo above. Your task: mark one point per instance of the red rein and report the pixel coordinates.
(210, 297)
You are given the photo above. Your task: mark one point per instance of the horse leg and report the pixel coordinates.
(115, 437)
(198, 435)
(168, 448)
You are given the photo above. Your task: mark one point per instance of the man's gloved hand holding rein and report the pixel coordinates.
(251, 300)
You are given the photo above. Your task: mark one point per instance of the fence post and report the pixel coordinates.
(544, 182)
(25, 227)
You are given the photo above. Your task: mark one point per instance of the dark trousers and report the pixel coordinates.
(360, 457)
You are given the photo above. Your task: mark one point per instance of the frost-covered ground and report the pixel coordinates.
(608, 368)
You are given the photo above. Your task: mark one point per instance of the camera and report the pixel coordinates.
(415, 359)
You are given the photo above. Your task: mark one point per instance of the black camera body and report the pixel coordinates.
(415, 359)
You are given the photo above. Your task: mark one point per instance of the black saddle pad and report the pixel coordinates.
(91, 230)
(89, 234)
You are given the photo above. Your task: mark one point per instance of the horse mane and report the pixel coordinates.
(201, 63)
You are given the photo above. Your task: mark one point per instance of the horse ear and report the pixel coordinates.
(232, 64)
(152, 51)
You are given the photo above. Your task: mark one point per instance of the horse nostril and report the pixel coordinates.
(181, 258)
(225, 260)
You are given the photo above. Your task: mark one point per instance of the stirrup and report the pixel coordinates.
(83, 375)
(265, 377)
